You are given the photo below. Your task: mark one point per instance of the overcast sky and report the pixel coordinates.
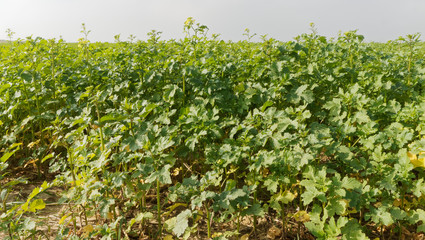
(377, 20)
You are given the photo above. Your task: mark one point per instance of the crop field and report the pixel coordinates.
(198, 138)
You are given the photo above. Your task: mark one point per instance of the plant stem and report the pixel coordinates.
(158, 202)
(100, 129)
(282, 213)
(239, 223)
(382, 232)
(71, 165)
(255, 202)
(208, 221)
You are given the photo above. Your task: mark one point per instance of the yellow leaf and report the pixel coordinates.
(288, 197)
(216, 234)
(245, 237)
(63, 218)
(397, 203)
(176, 171)
(32, 144)
(417, 162)
(232, 169)
(110, 215)
(266, 172)
(302, 216)
(189, 21)
(87, 230)
(274, 232)
(32, 161)
(168, 237)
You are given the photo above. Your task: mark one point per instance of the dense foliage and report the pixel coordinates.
(164, 138)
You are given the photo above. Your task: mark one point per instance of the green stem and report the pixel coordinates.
(85, 214)
(54, 82)
(158, 202)
(74, 221)
(402, 207)
(208, 221)
(299, 206)
(4, 209)
(239, 223)
(184, 85)
(117, 228)
(41, 137)
(100, 129)
(282, 214)
(409, 66)
(71, 165)
(382, 232)
(255, 202)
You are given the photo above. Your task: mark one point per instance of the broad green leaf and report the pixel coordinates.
(271, 185)
(8, 154)
(336, 207)
(287, 197)
(29, 225)
(182, 222)
(353, 231)
(170, 223)
(254, 210)
(148, 109)
(162, 175)
(140, 216)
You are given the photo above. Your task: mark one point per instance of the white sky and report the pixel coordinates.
(377, 20)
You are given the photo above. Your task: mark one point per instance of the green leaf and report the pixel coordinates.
(133, 143)
(398, 214)
(353, 231)
(266, 105)
(112, 117)
(333, 229)
(350, 183)
(29, 225)
(47, 157)
(103, 159)
(271, 185)
(10, 152)
(336, 207)
(302, 93)
(380, 215)
(182, 222)
(162, 175)
(237, 193)
(148, 109)
(310, 193)
(170, 223)
(418, 188)
(4, 87)
(417, 216)
(140, 217)
(254, 210)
